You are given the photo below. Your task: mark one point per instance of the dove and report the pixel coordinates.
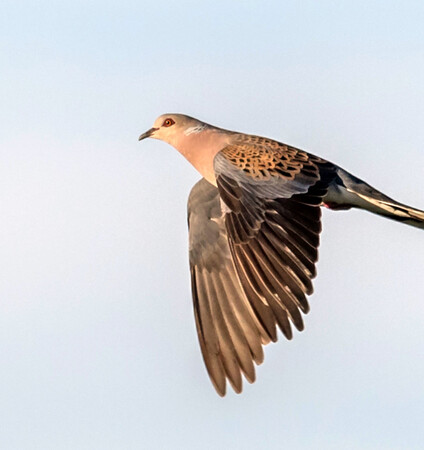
(254, 230)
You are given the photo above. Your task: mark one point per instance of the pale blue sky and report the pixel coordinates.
(98, 348)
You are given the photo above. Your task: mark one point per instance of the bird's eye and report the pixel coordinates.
(168, 122)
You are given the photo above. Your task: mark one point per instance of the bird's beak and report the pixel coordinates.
(147, 134)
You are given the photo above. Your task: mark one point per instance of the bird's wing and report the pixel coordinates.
(271, 195)
(230, 328)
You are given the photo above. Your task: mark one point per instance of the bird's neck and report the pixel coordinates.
(200, 149)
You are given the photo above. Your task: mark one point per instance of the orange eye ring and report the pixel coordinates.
(168, 122)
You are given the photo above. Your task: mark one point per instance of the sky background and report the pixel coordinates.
(98, 348)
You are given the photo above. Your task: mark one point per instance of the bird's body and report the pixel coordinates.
(254, 225)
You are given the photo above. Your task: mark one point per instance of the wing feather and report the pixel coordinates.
(253, 249)
(273, 220)
(231, 328)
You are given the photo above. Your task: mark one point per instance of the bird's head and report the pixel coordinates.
(171, 128)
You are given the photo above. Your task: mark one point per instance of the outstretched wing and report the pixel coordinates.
(272, 195)
(253, 248)
(230, 331)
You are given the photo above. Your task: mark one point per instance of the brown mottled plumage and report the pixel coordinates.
(261, 158)
(254, 227)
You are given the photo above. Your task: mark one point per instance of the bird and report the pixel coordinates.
(254, 224)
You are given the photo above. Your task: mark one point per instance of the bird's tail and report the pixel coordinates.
(350, 191)
(395, 211)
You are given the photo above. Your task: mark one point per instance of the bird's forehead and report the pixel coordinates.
(160, 119)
